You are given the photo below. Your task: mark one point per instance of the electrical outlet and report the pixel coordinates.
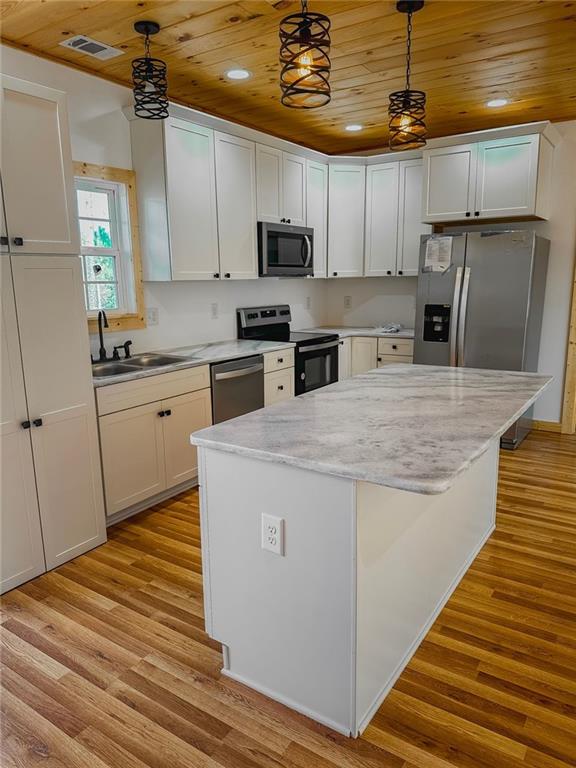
(214, 310)
(308, 302)
(347, 302)
(273, 534)
(152, 316)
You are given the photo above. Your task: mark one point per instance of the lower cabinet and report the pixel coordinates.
(344, 359)
(395, 351)
(146, 449)
(278, 386)
(368, 353)
(364, 354)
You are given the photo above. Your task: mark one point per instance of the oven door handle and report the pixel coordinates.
(238, 373)
(308, 251)
(318, 347)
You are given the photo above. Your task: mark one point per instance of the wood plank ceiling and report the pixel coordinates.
(464, 53)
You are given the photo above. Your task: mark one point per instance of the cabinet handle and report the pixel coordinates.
(388, 271)
(161, 413)
(168, 412)
(37, 422)
(227, 274)
(18, 240)
(476, 213)
(4, 240)
(379, 359)
(25, 425)
(280, 386)
(216, 274)
(335, 274)
(467, 213)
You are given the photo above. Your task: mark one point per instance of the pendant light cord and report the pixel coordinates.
(408, 49)
(147, 46)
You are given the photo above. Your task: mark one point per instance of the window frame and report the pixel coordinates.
(129, 268)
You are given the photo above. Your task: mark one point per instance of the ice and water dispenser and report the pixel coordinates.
(437, 322)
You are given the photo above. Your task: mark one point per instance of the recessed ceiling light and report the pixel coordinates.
(354, 127)
(497, 103)
(237, 74)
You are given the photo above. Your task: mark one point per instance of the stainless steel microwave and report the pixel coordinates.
(285, 250)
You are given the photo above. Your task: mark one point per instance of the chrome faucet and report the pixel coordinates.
(102, 319)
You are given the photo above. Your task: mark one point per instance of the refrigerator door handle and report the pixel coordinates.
(463, 310)
(454, 317)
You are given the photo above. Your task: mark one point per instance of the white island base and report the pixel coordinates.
(327, 627)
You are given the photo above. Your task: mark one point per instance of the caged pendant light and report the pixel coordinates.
(149, 83)
(407, 108)
(304, 49)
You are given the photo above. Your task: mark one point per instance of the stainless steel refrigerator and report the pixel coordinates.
(485, 309)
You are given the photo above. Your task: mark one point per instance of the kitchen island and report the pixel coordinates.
(335, 526)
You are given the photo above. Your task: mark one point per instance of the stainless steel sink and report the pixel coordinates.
(100, 370)
(153, 360)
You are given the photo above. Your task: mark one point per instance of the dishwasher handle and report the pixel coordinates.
(238, 373)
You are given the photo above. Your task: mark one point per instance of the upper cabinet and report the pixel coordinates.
(346, 198)
(502, 178)
(37, 176)
(236, 191)
(393, 226)
(281, 186)
(317, 212)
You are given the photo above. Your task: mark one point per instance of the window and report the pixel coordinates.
(107, 219)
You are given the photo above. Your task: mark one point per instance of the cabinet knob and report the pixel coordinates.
(282, 221)
(25, 425)
(18, 240)
(335, 274)
(288, 221)
(476, 213)
(467, 213)
(280, 387)
(4, 240)
(379, 359)
(227, 274)
(161, 413)
(216, 274)
(37, 422)
(280, 360)
(168, 412)
(388, 271)
(400, 272)
(394, 346)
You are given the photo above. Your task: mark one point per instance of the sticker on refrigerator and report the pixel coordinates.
(438, 257)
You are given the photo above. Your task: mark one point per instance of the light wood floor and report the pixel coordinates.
(105, 661)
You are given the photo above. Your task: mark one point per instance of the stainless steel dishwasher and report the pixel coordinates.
(237, 387)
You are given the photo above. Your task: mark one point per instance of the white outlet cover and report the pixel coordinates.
(347, 302)
(214, 310)
(273, 534)
(152, 316)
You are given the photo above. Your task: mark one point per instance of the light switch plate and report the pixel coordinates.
(152, 316)
(273, 534)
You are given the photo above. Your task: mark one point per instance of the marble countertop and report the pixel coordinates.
(412, 427)
(346, 331)
(198, 354)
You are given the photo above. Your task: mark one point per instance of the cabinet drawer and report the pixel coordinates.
(278, 386)
(391, 359)
(395, 347)
(275, 361)
(128, 394)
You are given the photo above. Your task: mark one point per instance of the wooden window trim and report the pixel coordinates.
(133, 320)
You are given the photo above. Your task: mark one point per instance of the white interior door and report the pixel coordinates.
(21, 548)
(381, 240)
(346, 194)
(269, 183)
(132, 455)
(236, 202)
(317, 212)
(56, 361)
(184, 414)
(410, 226)
(191, 192)
(294, 189)
(449, 183)
(506, 177)
(37, 169)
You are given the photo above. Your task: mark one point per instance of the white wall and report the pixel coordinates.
(373, 301)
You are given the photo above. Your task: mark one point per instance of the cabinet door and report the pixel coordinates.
(346, 220)
(294, 189)
(449, 183)
(381, 219)
(278, 386)
(132, 445)
(344, 359)
(269, 183)
(184, 414)
(236, 198)
(506, 177)
(37, 169)
(21, 550)
(364, 354)
(317, 212)
(191, 192)
(410, 226)
(58, 377)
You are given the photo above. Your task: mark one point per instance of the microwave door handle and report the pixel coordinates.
(454, 317)
(308, 251)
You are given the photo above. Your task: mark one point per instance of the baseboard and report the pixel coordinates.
(124, 514)
(364, 722)
(547, 426)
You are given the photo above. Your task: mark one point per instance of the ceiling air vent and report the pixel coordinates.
(91, 47)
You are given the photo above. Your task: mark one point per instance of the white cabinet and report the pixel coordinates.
(281, 186)
(392, 351)
(410, 226)
(317, 212)
(364, 354)
(278, 386)
(381, 242)
(346, 197)
(344, 359)
(50, 456)
(236, 204)
(501, 178)
(37, 176)
(191, 199)
(145, 434)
